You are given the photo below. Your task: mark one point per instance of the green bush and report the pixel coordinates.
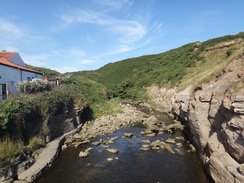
(93, 91)
(67, 80)
(9, 110)
(17, 115)
(34, 86)
(54, 102)
(230, 51)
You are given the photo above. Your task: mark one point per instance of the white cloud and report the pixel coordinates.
(79, 53)
(82, 16)
(123, 48)
(87, 61)
(66, 69)
(127, 31)
(9, 28)
(35, 60)
(131, 31)
(115, 4)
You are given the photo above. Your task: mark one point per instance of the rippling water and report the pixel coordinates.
(130, 164)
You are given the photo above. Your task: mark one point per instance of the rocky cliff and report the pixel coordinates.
(214, 113)
(54, 130)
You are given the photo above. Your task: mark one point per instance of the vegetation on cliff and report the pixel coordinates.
(127, 78)
(23, 118)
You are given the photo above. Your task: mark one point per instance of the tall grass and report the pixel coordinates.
(8, 149)
(110, 107)
(215, 62)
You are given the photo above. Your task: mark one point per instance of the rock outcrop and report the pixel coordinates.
(214, 113)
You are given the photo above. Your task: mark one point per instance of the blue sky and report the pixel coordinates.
(75, 35)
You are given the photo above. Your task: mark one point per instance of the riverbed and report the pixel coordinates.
(130, 164)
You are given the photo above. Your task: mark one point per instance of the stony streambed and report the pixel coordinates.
(150, 150)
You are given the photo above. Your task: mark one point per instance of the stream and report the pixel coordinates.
(130, 164)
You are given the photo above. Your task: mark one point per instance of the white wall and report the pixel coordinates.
(17, 60)
(12, 76)
(30, 75)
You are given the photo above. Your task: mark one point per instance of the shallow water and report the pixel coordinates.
(130, 164)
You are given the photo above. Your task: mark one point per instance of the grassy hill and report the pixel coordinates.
(192, 63)
(49, 73)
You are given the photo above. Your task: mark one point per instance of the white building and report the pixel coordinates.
(13, 70)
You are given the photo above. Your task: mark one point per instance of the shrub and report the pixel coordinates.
(34, 86)
(230, 51)
(67, 80)
(9, 110)
(54, 102)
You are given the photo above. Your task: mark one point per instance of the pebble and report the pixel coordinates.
(146, 141)
(110, 159)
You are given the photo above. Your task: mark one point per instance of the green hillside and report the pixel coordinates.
(49, 73)
(125, 78)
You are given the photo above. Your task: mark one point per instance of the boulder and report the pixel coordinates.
(110, 159)
(150, 135)
(153, 128)
(128, 135)
(171, 141)
(147, 132)
(151, 121)
(64, 147)
(77, 137)
(233, 140)
(85, 153)
(96, 143)
(175, 126)
(114, 138)
(6, 173)
(179, 145)
(205, 96)
(241, 169)
(224, 169)
(114, 151)
(192, 148)
(144, 148)
(146, 141)
(238, 103)
(169, 148)
(156, 143)
(179, 138)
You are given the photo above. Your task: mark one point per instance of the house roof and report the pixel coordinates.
(5, 62)
(7, 55)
